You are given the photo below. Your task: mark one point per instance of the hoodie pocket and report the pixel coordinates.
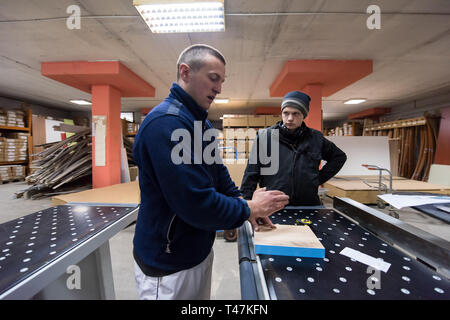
(170, 233)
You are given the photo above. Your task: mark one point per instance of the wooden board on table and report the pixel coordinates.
(361, 192)
(288, 240)
(123, 193)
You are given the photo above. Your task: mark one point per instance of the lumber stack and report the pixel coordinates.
(417, 145)
(128, 144)
(61, 167)
(65, 166)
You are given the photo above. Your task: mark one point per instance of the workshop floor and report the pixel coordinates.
(225, 283)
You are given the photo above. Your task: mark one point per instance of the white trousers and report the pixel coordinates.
(190, 284)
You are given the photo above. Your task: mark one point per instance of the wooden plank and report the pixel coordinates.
(118, 193)
(419, 121)
(2, 163)
(287, 240)
(359, 191)
(14, 128)
(399, 185)
(69, 128)
(394, 148)
(361, 177)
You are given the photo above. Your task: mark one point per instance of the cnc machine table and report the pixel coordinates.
(336, 276)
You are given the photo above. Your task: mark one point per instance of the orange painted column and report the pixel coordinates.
(314, 118)
(106, 106)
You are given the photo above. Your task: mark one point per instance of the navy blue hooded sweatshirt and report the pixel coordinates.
(182, 205)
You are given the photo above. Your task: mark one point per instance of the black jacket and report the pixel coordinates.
(298, 174)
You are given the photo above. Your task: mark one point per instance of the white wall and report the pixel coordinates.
(363, 150)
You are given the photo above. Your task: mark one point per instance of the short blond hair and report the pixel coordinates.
(194, 56)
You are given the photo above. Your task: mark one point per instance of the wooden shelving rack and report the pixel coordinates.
(27, 129)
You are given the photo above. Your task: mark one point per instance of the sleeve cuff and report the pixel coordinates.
(247, 208)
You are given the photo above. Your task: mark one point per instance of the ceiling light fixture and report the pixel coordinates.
(81, 102)
(354, 101)
(163, 16)
(221, 100)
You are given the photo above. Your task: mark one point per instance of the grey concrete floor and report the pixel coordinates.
(225, 283)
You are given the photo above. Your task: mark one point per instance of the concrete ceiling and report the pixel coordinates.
(410, 52)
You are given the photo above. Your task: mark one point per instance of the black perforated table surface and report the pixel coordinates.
(30, 243)
(339, 277)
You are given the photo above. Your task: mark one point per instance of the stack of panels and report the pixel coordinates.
(12, 172)
(12, 118)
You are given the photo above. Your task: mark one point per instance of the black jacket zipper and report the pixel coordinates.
(291, 196)
(168, 235)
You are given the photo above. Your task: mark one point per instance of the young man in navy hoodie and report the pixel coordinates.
(184, 200)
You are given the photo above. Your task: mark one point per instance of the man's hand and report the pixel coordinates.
(263, 204)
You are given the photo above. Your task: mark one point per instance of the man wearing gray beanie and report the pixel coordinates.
(298, 100)
(301, 150)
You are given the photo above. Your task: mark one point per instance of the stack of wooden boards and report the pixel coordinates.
(63, 163)
(417, 142)
(64, 166)
(12, 173)
(12, 118)
(13, 147)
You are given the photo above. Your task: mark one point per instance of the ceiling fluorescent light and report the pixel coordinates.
(81, 102)
(163, 16)
(221, 100)
(354, 101)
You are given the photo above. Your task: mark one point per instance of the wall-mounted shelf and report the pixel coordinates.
(15, 128)
(420, 121)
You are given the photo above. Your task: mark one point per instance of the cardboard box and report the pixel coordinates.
(228, 133)
(257, 121)
(235, 120)
(240, 133)
(241, 145)
(229, 154)
(229, 143)
(272, 119)
(251, 133)
(242, 155)
(250, 145)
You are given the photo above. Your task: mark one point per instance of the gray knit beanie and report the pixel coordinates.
(297, 99)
